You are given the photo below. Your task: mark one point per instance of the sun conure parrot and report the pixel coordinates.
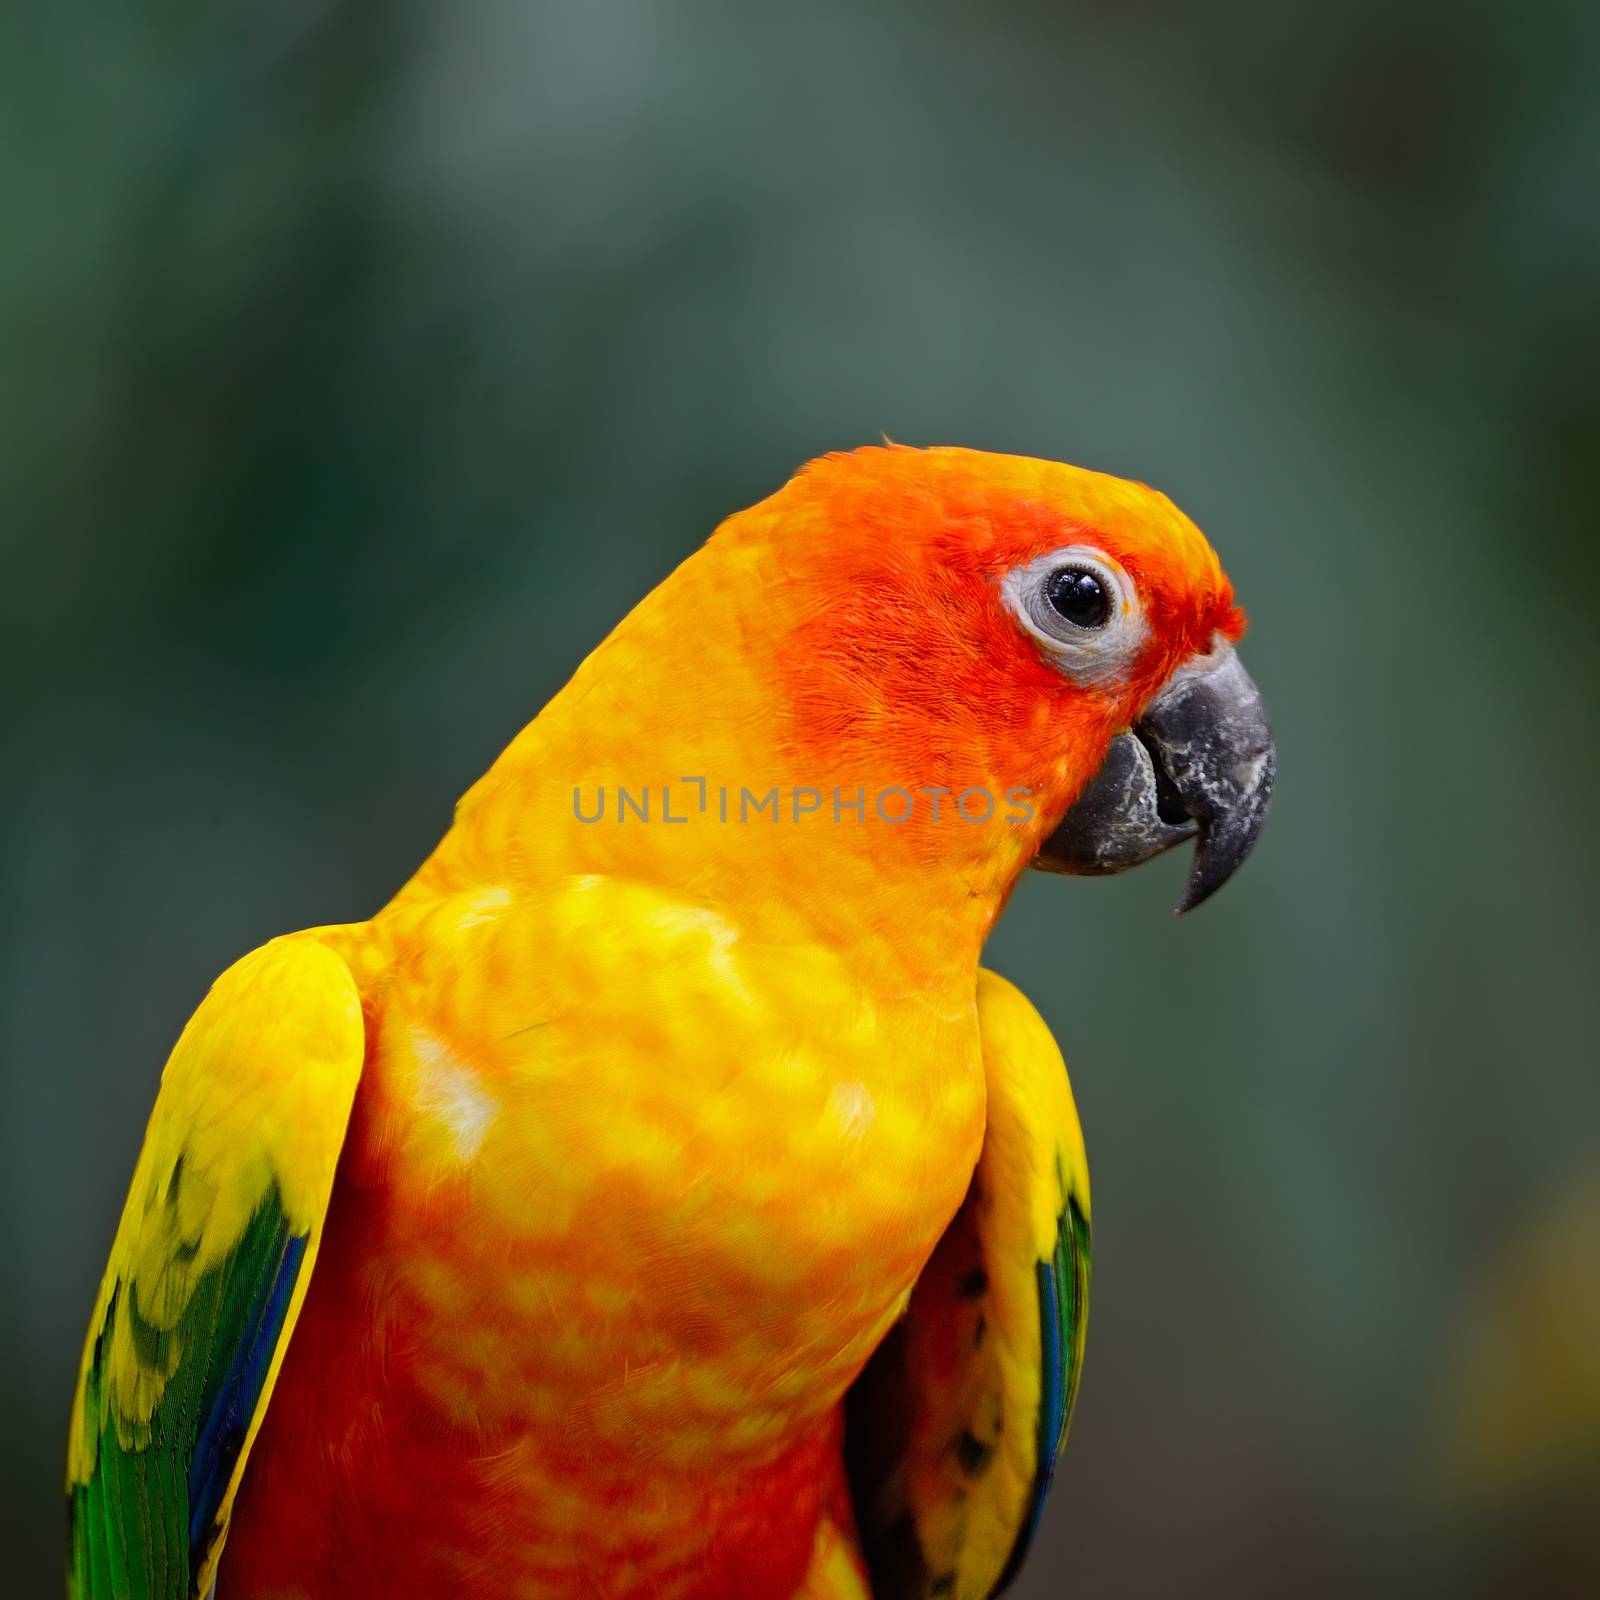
(657, 1198)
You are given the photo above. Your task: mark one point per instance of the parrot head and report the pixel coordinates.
(1016, 625)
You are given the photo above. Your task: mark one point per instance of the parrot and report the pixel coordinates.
(658, 1197)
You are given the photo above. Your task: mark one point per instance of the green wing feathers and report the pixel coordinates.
(954, 1428)
(210, 1264)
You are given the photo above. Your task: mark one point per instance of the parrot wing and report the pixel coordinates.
(208, 1272)
(953, 1429)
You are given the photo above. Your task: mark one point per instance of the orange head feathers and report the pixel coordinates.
(893, 630)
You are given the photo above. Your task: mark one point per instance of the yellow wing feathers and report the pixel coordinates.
(210, 1265)
(960, 1416)
(1033, 1232)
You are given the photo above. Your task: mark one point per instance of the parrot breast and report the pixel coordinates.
(628, 1200)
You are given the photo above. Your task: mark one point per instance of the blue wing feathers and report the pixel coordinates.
(227, 1420)
(141, 1525)
(1063, 1286)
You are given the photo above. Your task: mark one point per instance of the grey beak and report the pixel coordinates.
(1198, 764)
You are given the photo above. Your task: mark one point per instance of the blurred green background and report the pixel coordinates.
(362, 365)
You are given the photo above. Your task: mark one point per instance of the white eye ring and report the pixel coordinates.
(1093, 654)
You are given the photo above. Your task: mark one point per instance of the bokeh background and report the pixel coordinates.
(361, 365)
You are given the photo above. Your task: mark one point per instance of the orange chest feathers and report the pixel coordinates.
(643, 1177)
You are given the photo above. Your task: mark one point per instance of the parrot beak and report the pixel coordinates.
(1198, 764)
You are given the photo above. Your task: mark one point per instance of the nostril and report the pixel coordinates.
(1169, 803)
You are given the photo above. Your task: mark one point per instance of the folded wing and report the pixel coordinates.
(953, 1430)
(210, 1265)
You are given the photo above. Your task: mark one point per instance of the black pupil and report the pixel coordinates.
(1079, 596)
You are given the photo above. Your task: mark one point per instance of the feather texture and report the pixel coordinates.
(955, 1427)
(210, 1265)
(661, 1109)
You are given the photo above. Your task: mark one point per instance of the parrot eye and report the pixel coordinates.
(1082, 609)
(1077, 596)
